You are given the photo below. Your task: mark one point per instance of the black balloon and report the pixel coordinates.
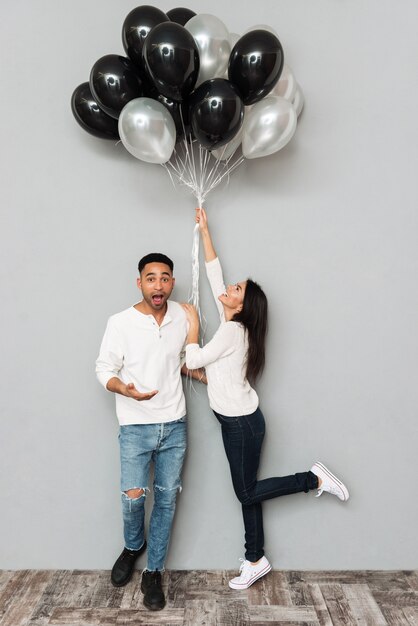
(180, 15)
(115, 81)
(176, 111)
(90, 116)
(216, 112)
(255, 64)
(187, 124)
(171, 60)
(136, 27)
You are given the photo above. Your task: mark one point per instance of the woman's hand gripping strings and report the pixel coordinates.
(202, 220)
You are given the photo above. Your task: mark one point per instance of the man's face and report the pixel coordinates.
(156, 283)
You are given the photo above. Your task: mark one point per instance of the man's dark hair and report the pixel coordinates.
(155, 257)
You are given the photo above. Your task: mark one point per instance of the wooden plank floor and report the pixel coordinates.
(197, 598)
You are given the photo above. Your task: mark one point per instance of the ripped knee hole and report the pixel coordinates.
(134, 493)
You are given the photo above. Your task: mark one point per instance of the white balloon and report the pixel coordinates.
(262, 27)
(147, 130)
(286, 86)
(233, 38)
(269, 126)
(223, 153)
(212, 39)
(298, 100)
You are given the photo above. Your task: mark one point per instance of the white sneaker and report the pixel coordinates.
(249, 573)
(329, 483)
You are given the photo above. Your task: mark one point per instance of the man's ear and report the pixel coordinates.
(138, 282)
(174, 281)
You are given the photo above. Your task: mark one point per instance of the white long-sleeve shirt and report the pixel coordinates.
(137, 350)
(224, 358)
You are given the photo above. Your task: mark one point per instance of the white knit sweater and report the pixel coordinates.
(137, 350)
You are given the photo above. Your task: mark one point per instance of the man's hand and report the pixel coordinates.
(129, 390)
(132, 392)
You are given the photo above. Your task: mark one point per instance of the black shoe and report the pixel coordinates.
(151, 588)
(124, 566)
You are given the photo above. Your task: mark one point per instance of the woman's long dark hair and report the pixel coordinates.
(253, 317)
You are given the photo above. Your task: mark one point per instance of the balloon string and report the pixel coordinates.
(199, 171)
(194, 296)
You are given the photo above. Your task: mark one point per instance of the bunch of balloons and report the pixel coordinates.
(186, 78)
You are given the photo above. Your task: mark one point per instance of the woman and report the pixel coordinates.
(233, 360)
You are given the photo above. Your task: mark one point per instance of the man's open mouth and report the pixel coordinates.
(158, 299)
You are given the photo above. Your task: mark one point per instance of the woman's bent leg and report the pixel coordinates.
(243, 450)
(243, 437)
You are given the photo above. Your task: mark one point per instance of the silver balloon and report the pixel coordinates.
(286, 87)
(223, 153)
(233, 38)
(268, 127)
(147, 130)
(262, 27)
(298, 100)
(212, 39)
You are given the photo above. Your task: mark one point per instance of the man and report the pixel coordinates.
(140, 361)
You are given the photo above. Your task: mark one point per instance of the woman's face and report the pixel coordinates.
(233, 298)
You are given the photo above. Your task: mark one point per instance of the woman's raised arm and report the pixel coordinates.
(202, 220)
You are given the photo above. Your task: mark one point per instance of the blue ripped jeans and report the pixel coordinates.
(243, 438)
(165, 445)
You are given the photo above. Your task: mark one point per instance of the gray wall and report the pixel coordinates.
(328, 226)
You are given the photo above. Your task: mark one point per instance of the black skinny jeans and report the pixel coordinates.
(243, 437)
